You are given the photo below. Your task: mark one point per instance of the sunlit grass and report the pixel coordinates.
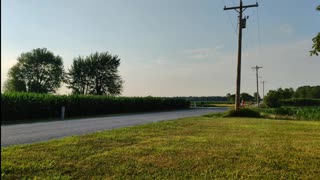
(221, 105)
(189, 148)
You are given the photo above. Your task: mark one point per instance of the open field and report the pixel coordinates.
(189, 148)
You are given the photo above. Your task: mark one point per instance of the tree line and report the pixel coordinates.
(204, 98)
(274, 97)
(40, 71)
(246, 97)
(303, 92)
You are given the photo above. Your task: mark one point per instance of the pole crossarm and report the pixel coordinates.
(238, 7)
(257, 67)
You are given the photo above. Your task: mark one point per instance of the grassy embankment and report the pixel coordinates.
(189, 148)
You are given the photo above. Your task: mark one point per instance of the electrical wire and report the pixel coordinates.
(235, 28)
(259, 34)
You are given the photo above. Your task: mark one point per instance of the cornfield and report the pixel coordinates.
(29, 106)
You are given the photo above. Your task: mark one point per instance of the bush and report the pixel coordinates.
(300, 102)
(20, 106)
(245, 112)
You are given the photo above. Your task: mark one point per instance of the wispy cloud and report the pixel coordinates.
(284, 65)
(286, 28)
(203, 53)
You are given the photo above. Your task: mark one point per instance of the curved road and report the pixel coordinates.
(42, 131)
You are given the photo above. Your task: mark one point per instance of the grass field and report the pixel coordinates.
(189, 148)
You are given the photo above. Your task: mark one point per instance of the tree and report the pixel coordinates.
(246, 97)
(272, 99)
(307, 92)
(286, 93)
(95, 74)
(37, 71)
(316, 42)
(255, 96)
(231, 98)
(243, 96)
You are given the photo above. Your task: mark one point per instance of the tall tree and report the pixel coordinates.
(78, 77)
(316, 42)
(37, 71)
(95, 74)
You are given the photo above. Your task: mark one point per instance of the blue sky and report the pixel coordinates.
(171, 47)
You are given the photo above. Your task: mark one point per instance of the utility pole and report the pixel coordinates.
(263, 87)
(257, 74)
(242, 25)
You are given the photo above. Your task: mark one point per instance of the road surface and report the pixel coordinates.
(42, 131)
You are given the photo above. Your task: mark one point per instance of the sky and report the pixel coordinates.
(171, 47)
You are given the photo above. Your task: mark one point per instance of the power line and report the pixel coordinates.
(230, 20)
(259, 35)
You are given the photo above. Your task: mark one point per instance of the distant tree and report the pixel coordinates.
(246, 97)
(243, 96)
(95, 74)
(316, 42)
(272, 99)
(286, 93)
(37, 71)
(255, 97)
(307, 92)
(231, 98)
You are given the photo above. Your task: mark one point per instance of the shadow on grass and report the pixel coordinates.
(244, 112)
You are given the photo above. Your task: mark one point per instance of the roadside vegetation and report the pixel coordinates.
(189, 148)
(211, 104)
(34, 106)
(296, 113)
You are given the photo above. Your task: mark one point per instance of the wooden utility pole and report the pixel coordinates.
(257, 74)
(242, 25)
(263, 88)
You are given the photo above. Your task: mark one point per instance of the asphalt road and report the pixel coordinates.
(42, 131)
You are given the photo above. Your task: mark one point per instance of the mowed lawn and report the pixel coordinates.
(189, 148)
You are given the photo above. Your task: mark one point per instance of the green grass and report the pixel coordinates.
(189, 148)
